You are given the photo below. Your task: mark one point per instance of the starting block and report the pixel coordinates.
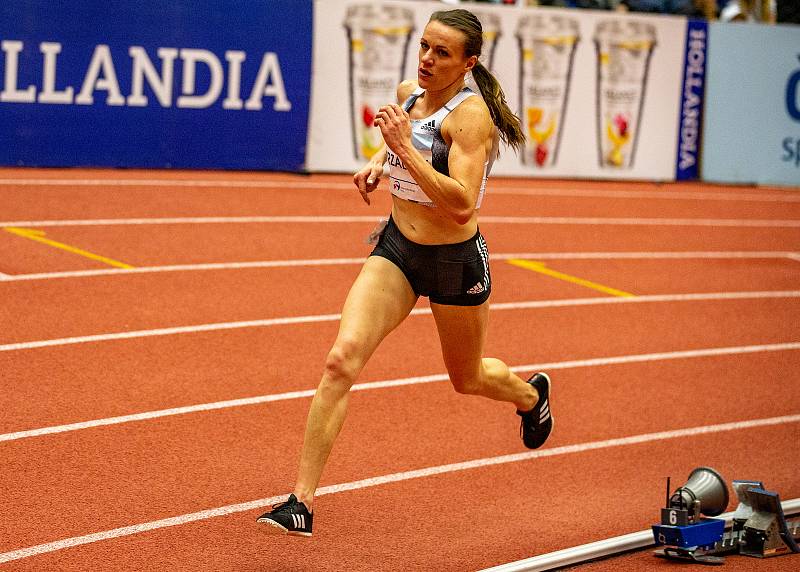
(765, 532)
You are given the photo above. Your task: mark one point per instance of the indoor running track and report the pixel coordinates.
(162, 333)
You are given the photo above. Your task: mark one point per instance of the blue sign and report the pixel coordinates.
(752, 124)
(692, 91)
(187, 83)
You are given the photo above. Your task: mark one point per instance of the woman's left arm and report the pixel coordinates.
(468, 127)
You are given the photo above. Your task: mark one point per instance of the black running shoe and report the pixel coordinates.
(290, 517)
(537, 423)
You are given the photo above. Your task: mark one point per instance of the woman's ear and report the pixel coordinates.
(472, 61)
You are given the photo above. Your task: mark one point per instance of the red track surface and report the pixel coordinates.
(91, 478)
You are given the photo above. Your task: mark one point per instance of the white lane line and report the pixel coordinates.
(499, 189)
(679, 195)
(637, 221)
(227, 183)
(688, 255)
(170, 331)
(207, 266)
(268, 322)
(613, 221)
(592, 362)
(395, 478)
(192, 220)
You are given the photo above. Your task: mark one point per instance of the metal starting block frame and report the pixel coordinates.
(765, 532)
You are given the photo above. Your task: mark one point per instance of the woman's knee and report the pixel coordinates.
(465, 384)
(473, 382)
(343, 363)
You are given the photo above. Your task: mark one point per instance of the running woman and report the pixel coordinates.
(440, 144)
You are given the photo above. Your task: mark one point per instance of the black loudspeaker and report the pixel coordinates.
(705, 493)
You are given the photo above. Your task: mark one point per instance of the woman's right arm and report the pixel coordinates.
(367, 178)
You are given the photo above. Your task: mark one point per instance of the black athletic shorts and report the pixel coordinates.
(449, 274)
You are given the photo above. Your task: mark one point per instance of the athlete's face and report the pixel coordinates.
(441, 57)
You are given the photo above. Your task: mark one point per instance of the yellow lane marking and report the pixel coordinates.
(541, 268)
(38, 236)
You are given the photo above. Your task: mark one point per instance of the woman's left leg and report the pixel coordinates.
(462, 334)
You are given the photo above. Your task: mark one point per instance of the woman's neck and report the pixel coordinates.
(434, 100)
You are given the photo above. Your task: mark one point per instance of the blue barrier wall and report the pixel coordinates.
(752, 124)
(186, 83)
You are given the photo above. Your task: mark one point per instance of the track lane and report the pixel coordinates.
(182, 464)
(173, 195)
(88, 381)
(643, 277)
(165, 177)
(499, 201)
(551, 511)
(104, 304)
(164, 244)
(145, 301)
(18, 254)
(318, 200)
(215, 194)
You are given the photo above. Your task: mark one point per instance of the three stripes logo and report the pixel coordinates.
(544, 413)
(299, 520)
(481, 287)
(429, 126)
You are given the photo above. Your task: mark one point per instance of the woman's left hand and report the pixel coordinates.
(395, 126)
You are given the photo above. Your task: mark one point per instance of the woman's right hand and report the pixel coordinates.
(366, 180)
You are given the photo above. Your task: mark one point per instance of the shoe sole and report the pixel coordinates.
(549, 391)
(276, 528)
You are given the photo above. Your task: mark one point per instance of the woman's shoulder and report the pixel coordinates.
(474, 110)
(405, 89)
(472, 113)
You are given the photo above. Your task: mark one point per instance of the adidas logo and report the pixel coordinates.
(299, 520)
(544, 413)
(430, 125)
(477, 289)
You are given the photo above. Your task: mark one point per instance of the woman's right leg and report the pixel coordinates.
(379, 300)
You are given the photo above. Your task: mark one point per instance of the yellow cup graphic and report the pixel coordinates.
(624, 48)
(490, 24)
(378, 36)
(547, 46)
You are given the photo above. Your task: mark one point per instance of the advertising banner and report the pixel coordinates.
(687, 163)
(598, 93)
(192, 84)
(752, 124)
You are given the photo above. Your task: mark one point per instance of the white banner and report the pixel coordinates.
(598, 93)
